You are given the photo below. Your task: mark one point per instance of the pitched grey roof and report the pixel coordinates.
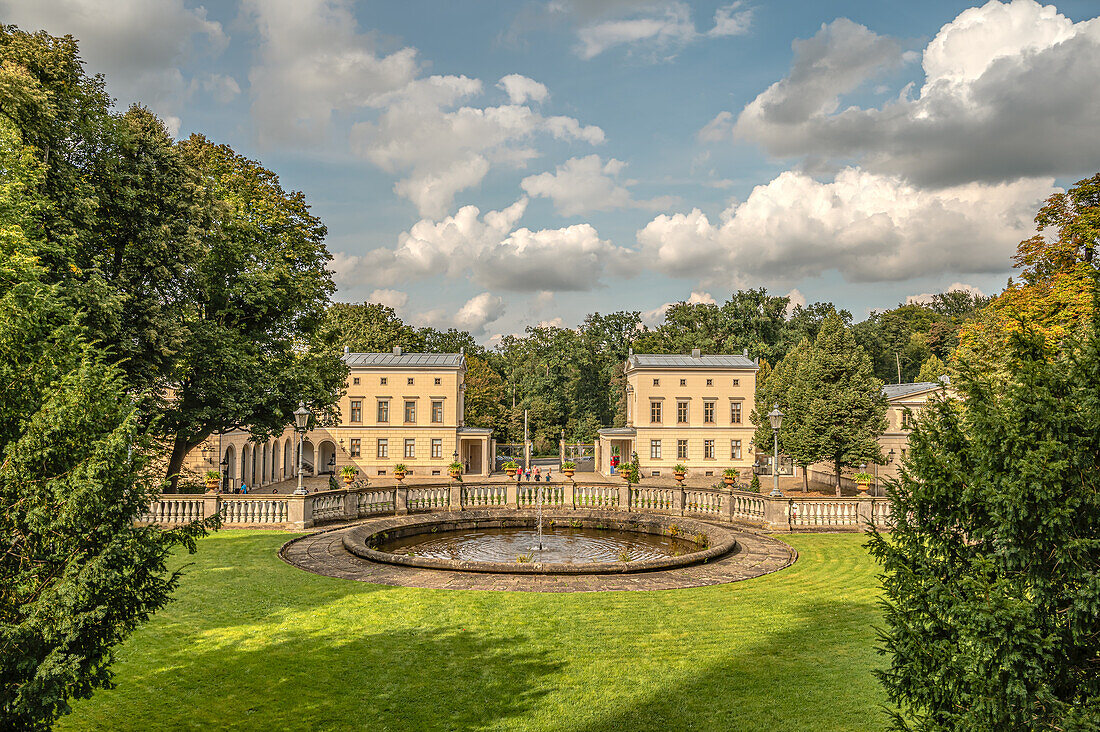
(680, 361)
(415, 360)
(895, 391)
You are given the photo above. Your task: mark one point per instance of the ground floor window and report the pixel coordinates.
(735, 449)
(681, 449)
(708, 449)
(383, 448)
(437, 448)
(356, 446)
(655, 449)
(410, 447)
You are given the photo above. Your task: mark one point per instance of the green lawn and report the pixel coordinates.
(252, 643)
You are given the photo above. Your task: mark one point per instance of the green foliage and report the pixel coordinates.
(348, 471)
(992, 570)
(400, 468)
(754, 484)
(456, 466)
(511, 465)
(730, 473)
(932, 369)
(679, 468)
(568, 465)
(863, 477)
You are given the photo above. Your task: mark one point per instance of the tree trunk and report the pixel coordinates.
(180, 448)
(837, 464)
(805, 478)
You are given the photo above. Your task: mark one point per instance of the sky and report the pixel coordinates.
(491, 165)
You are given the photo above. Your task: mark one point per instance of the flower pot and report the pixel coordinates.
(679, 476)
(511, 472)
(568, 472)
(455, 473)
(348, 479)
(863, 486)
(399, 475)
(729, 482)
(212, 485)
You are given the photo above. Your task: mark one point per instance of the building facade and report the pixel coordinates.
(685, 409)
(396, 408)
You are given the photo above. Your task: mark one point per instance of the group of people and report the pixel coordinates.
(537, 474)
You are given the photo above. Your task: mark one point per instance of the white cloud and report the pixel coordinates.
(1002, 98)
(653, 318)
(925, 298)
(391, 298)
(491, 251)
(221, 87)
(313, 63)
(474, 316)
(556, 322)
(441, 149)
(656, 26)
(869, 227)
(582, 185)
(796, 300)
(139, 45)
(519, 89)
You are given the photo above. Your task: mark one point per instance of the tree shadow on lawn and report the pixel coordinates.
(447, 679)
(815, 676)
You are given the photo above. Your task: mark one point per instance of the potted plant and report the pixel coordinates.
(754, 485)
(863, 480)
(679, 471)
(213, 479)
(629, 472)
(510, 468)
(569, 467)
(455, 469)
(729, 477)
(399, 471)
(348, 473)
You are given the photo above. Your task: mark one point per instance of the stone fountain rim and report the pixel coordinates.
(722, 540)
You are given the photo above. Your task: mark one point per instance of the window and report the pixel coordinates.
(708, 449)
(710, 382)
(437, 448)
(655, 412)
(383, 448)
(438, 381)
(410, 381)
(681, 449)
(735, 449)
(681, 412)
(383, 410)
(356, 410)
(906, 419)
(355, 381)
(655, 449)
(683, 382)
(737, 382)
(356, 446)
(410, 447)
(437, 412)
(382, 381)
(735, 412)
(656, 382)
(410, 412)
(708, 412)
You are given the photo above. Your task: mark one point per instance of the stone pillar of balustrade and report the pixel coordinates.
(679, 500)
(401, 501)
(455, 496)
(211, 504)
(351, 504)
(727, 506)
(299, 511)
(863, 511)
(567, 499)
(624, 496)
(511, 494)
(775, 512)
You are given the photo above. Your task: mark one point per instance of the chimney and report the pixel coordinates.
(745, 353)
(696, 353)
(462, 350)
(629, 352)
(346, 350)
(397, 350)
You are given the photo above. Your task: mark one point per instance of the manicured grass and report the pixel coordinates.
(252, 643)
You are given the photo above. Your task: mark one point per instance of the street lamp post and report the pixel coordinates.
(301, 420)
(776, 419)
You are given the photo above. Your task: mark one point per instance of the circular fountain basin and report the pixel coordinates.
(574, 542)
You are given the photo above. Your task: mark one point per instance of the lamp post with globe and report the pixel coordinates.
(776, 419)
(301, 421)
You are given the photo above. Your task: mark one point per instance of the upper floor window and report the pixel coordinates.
(656, 382)
(655, 412)
(710, 382)
(708, 449)
(383, 410)
(438, 381)
(356, 447)
(437, 412)
(655, 449)
(383, 448)
(683, 382)
(708, 412)
(410, 447)
(356, 410)
(681, 449)
(437, 448)
(735, 412)
(735, 449)
(681, 412)
(410, 412)
(410, 381)
(737, 382)
(383, 381)
(355, 381)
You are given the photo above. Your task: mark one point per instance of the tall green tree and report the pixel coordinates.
(370, 328)
(799, 435)
(845, 404)
(991, 575)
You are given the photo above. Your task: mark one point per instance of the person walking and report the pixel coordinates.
(538, 474)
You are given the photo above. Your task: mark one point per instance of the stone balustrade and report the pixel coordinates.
(786, 513)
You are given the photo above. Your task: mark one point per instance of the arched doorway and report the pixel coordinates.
(326, 455)
(275, 477)
(265, 461)
(230, 470)
(308, 467)
(246, 464)
(289, 468)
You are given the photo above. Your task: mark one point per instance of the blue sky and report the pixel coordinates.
(493, 164)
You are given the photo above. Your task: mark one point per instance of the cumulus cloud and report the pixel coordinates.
(519, 89)
(582, 185)
(925, 298)
(441, 147)
(796, 300)
(314, 62)
(656, 316)
(474, 316)
(657, 26)
(1002, 99)
(391, 298)
(491, 251)
(221, 87)
(139, 45)
(867, 226)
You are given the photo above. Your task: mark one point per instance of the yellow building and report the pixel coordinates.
(693, 410)
(395, 408)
